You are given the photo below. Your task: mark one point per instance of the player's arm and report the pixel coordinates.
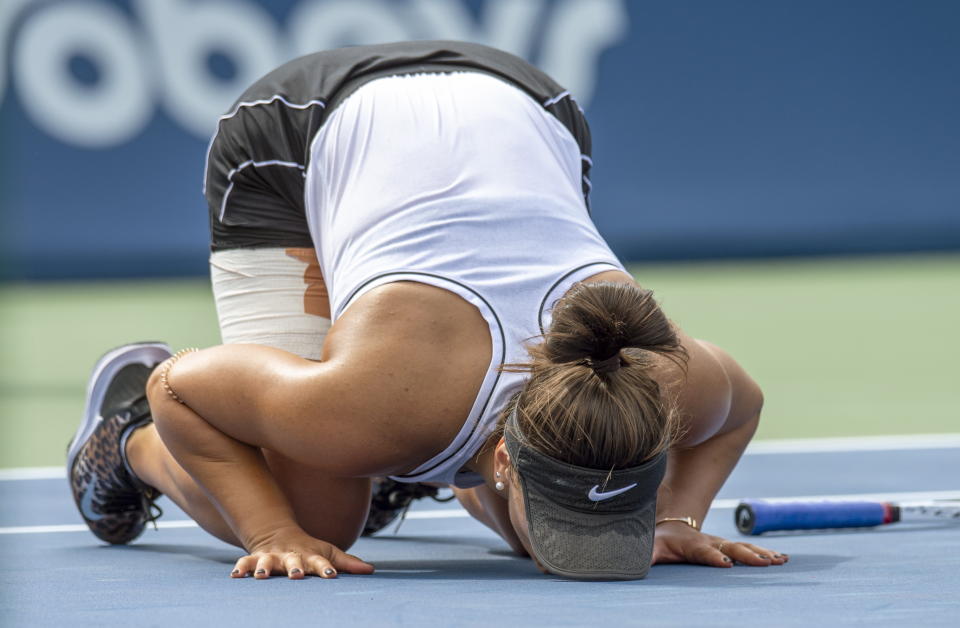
(491, 510)
(719, 405)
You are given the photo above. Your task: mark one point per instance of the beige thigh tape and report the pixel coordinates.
(261, 297)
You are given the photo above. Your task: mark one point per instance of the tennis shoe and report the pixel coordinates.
(391, 499)
(113, 502)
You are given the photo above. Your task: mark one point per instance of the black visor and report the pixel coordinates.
(587, 523)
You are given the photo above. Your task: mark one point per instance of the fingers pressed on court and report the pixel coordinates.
(321, 567)
(707, 554)
(293, 565)
(744, 553)
(244, 567)
(265, 566)
(352, 564)
(776, 558)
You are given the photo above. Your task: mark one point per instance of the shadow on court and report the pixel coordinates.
(201, 552)
(489, 543)
(460, 570)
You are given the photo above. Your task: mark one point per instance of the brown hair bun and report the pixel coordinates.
(591, 399)
(595, 321)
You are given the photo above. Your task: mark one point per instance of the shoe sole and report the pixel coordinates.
(147, 353)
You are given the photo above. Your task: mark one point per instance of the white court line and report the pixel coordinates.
(459, 513)
(446, 513)
(33, 473)
(80, 527)
(904, 442)
(854, 443)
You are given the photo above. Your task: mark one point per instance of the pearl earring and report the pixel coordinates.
(499, 485)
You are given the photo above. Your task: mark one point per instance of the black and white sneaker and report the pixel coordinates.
(115, 505)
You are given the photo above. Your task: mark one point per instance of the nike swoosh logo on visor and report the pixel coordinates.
(596, 496)
(86, 501)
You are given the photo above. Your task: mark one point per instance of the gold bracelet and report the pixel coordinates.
(690, 521)
(165, 369)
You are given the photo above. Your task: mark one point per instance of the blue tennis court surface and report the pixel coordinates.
(442, 568)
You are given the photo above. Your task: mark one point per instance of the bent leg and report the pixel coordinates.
(153, 464)
(312, 494)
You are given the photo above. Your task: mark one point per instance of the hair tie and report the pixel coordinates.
(608, 365)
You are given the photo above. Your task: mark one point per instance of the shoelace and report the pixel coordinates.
(149, 504)
(129, 499)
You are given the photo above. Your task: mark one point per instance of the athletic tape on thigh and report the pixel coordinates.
(261, 295)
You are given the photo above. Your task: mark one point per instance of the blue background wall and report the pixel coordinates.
(721, 128)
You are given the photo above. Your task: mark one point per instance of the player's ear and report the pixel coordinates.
(501, 461)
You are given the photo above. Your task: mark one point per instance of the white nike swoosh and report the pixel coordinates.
(596, 496)
(86, 501)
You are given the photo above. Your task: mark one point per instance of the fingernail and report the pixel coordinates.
(726, 559)
(234, 572)
(778, 555)
(260, 572)
(764, 556)
(294, 571)
(328, 571)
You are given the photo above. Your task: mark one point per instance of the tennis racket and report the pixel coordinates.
(756, 516)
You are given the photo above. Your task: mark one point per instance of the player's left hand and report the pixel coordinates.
(676, 542)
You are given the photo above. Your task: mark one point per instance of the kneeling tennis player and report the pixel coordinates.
(431, 200)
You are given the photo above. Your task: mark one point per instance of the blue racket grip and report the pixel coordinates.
(756, 516)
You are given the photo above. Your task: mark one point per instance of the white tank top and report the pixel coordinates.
(463, 182)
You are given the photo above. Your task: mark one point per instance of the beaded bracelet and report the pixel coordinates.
(165, 369)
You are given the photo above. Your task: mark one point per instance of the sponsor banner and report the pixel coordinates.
(720, 128)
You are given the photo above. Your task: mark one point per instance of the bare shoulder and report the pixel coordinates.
(409, 359)
(712, 388)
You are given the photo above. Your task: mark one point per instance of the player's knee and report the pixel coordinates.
(756, 397)
(156, 394)
(160, 392)
(753, 404)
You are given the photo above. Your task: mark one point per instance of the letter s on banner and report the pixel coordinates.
(111, 111)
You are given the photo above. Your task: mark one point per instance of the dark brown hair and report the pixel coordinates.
(591, 399)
